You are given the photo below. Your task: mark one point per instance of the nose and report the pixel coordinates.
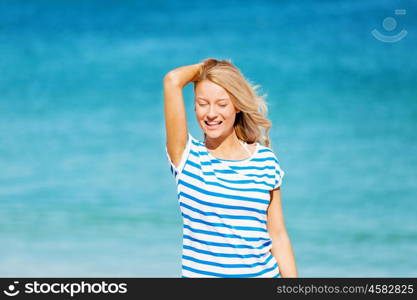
(212, 113)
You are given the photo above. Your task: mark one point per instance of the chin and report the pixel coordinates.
(213, 135)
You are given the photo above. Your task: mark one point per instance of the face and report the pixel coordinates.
(214, 109)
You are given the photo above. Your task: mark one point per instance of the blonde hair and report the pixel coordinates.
(251, 124)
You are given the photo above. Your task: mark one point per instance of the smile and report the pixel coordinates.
(213, 125)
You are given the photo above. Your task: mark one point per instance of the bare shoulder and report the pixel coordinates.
(252, 147)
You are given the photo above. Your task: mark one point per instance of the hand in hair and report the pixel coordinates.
(174, 108)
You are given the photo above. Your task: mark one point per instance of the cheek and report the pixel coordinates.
(230, 115)
(199, 113)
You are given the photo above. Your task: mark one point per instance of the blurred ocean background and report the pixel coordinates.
(85, 186)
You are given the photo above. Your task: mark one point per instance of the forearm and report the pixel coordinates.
(283, 253)
(181, 76)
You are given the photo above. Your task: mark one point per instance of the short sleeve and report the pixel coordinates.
(279, 173)
(176, 171)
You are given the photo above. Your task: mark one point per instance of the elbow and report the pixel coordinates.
(171, 79)
(280, 234)
(280, 240)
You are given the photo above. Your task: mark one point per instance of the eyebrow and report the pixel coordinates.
(215, 100)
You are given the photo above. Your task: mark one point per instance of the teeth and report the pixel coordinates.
(213, 123)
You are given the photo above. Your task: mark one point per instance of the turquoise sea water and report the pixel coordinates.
(85, 187)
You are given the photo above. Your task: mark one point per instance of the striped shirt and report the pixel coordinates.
(223, 205)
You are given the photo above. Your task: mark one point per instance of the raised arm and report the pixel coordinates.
(175, 116)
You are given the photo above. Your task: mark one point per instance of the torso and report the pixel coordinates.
(224, 208)
(241, 155)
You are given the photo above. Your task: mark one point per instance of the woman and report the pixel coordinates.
(228, 185)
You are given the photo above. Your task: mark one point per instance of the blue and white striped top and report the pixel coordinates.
(223, 204)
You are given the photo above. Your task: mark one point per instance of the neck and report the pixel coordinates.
(223, 144)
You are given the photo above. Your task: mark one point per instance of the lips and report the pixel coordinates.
(213, 125)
